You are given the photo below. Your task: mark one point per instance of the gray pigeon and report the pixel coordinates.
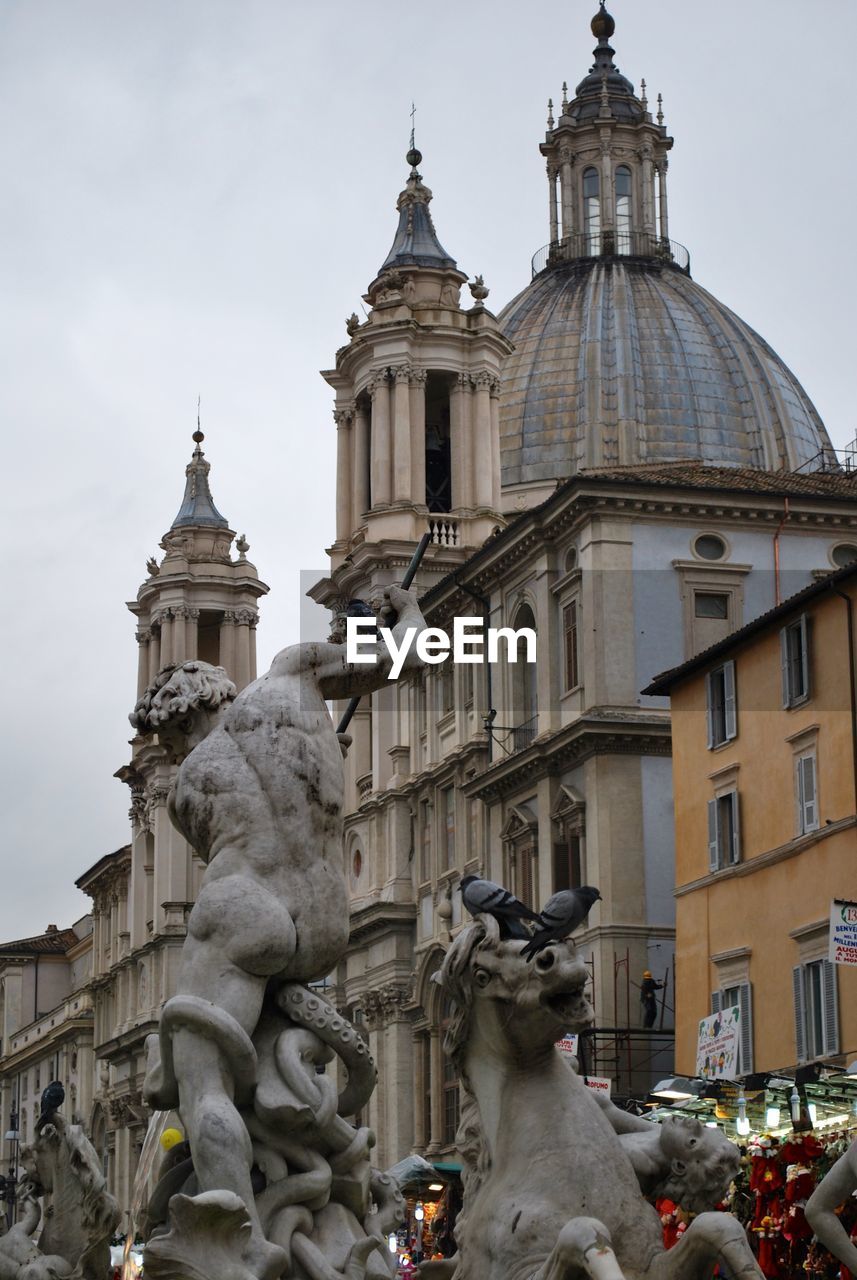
(562, 914)
(484, 897)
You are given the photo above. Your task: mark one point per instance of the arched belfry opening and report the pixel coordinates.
(438, 445)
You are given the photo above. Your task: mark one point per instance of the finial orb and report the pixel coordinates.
(602, 24)
(198, 437)
(414, 157)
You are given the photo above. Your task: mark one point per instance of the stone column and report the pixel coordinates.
(143, 640)
(420, 1086)
(482, 439)
(436, 1136)
(344, 482)
(461, 442)
(495, 443)
(565, 187)
(154, 653)
(243, 661)
(418, 436)
(253, 624)
(552, 214)
(648, 191)
(191, 632)
(381, 452)
(402, 434)
(167, 637)
(608, 200)
(179, 644)
(662, 188)
(227, 642)
(360, 464)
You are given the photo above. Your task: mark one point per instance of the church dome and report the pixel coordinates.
(625, 362)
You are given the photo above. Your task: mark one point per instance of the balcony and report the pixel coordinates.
(634, 245)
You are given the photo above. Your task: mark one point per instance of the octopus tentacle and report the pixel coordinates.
(310, 1010)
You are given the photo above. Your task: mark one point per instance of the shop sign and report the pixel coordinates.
(598, 1084)
(843, 932)
(568, 1045)
(717, 1045)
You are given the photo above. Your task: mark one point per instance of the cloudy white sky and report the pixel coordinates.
(193, 196)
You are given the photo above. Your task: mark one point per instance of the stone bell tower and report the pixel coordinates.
(198, 602)
(417, 405)
(607, 163)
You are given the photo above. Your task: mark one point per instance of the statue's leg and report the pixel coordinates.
(582, 1245)
(710, 1238)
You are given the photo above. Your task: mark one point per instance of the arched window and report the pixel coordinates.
(451, 1100)
(591, 211)
(623, 209)
(524, 685)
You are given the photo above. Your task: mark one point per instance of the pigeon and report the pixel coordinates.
(562, 914)
(52, 1099)
(485, 897)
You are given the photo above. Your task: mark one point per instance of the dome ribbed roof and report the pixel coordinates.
(628, 363)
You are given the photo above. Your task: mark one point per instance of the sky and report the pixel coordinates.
(194, 195)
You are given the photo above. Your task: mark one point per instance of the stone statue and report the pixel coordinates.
(550, 1189)
(259, 796)
(79, 1217)
(836, 1186)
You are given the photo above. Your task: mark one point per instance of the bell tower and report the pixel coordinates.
(606, 165)
(417, 401)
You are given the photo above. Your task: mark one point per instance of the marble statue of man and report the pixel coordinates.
(259, 796)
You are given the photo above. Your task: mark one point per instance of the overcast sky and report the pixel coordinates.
(194, 195)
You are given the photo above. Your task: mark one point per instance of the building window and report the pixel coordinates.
(623, 209)
(720, 700)
(425, 841)
(724, 843)
(816, 1011)
(569, 630)
(711, 604)
(843, 554)
(448, 840)
(567, 862)
(524, 686)
(794, 657)
(568, 825)
(740, 997)
(708, 546)
(438, 456)
(451, 1102)
(806, 793)
(446, 684)
(591, 211)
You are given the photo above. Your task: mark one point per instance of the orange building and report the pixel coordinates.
(764, 729)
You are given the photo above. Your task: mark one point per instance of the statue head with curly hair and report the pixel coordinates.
(182, 705)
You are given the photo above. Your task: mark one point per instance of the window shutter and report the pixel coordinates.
(730, 717)
(784, 665)
(713, 858)
(807, 801)
(715, 1002)
(800, 1017)
(736, 828)
(804, 653)
(745, 1004)
(709, 708)
(831, 1011)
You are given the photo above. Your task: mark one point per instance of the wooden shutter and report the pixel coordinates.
(800, 1015)
(715, 1002)
(745, 1005)
(713, 852)
(736, 828)
(730, 717)
(831, 1011)
(784, 666)
(807, 793)
(804, 653)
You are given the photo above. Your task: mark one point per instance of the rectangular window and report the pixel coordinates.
(448, 840)
(807, 794)
(724, 843)
(446, 681)
(816, 1010)
(569, 629)
(721, 707)
(451, 1103)
(740, 997)
(794, 657)
(425, 841)
(566, 863)
(708, 604)
(526, 858)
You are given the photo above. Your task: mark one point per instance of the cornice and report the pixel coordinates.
(768, 859)
(133, 1038)
(569, 746)
(379, 917)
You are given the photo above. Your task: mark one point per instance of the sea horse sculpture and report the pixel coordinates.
(550, 1190)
